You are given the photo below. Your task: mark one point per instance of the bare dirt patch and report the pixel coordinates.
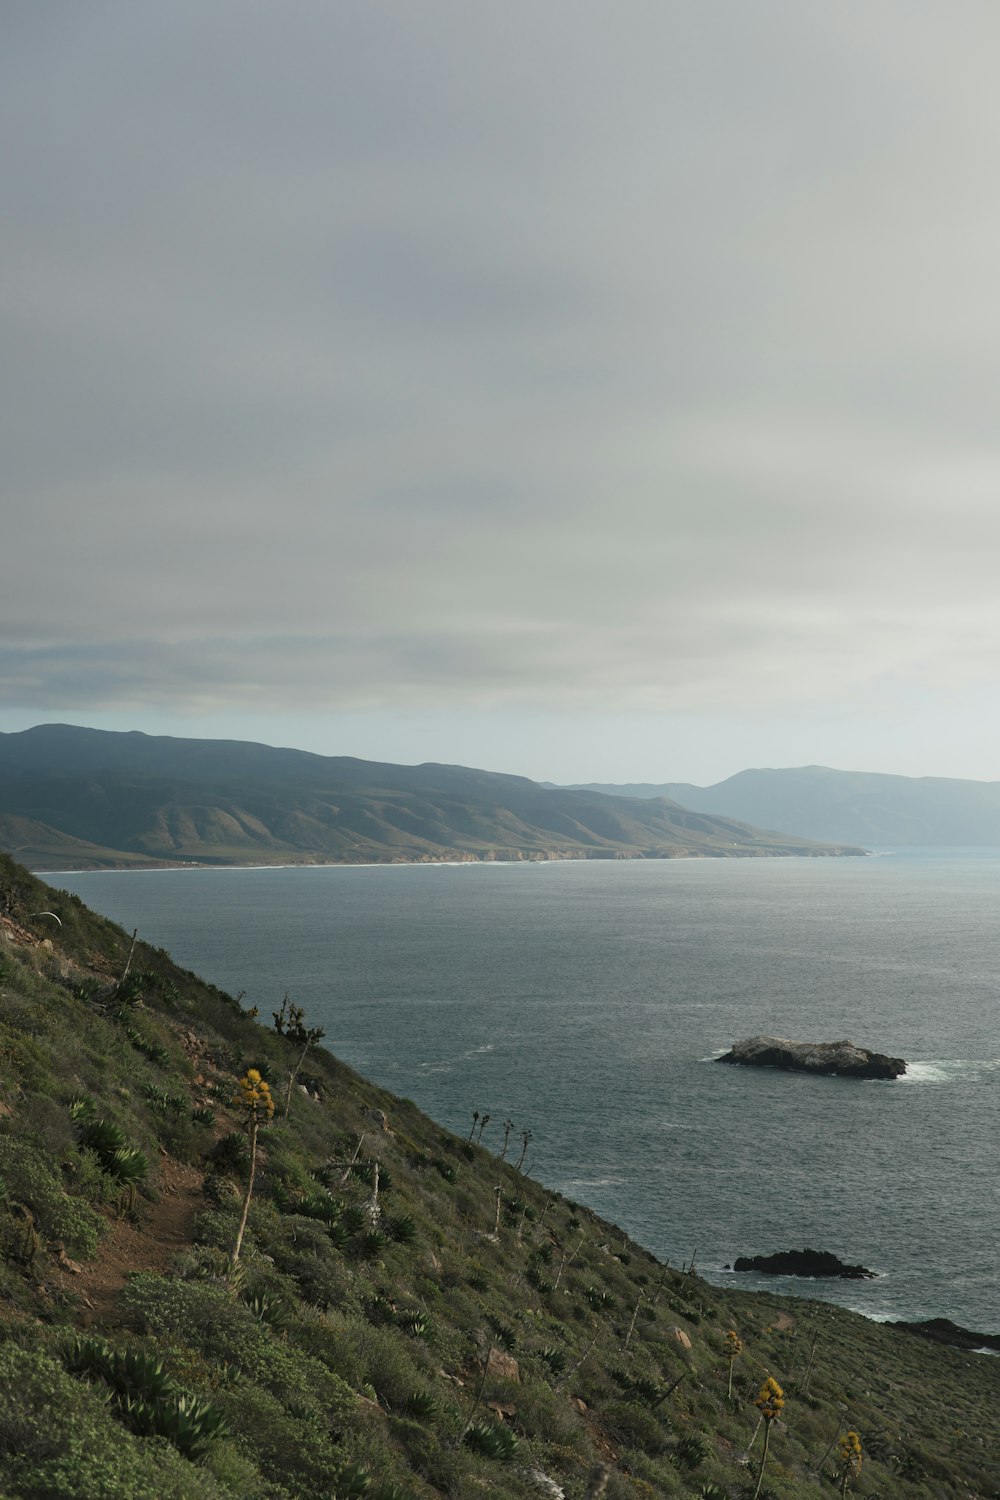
(162, 1230)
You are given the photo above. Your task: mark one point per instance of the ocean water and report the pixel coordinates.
(587, 1003)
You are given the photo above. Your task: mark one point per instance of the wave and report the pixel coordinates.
(592, 1182)
(943, 1070)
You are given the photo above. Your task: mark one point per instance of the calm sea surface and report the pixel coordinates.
(586, 1001)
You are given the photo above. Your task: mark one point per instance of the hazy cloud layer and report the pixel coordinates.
(637, 357)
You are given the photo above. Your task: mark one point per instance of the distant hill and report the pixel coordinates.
(83, 798)
(863, 807)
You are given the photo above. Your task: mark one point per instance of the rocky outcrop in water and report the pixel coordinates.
(944, 1331)
(843, 1058)
(818, 1263)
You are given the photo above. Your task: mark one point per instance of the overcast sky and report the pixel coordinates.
(599, 391)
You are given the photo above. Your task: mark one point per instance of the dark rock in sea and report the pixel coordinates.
(944, 1331)
(818, 1263)
(842, 1058)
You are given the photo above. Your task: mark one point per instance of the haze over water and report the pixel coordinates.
(585, 1001)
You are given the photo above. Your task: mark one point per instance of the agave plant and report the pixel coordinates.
(353, 1483)
(102, 1137)
(127, 1166)
(147, 1399)
(646, 1391)
(505, 1335)
(691, 1451)
(402, 1230)
(421, 1404)
(417, 1324)
(491, 1441)
(371, 1245)
(270, 1309)
(122, 1162)
(190, 1423)
(598, 1298)
(539, 1282)
(353, 1219)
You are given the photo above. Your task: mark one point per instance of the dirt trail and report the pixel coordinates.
(163, 1230)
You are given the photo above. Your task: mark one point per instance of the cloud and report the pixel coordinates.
(639, 360)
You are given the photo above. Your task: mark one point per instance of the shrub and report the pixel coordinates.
(289, 1450)
(634, 1427)
(58, 1215)
(230, 1156)
(60, 1439)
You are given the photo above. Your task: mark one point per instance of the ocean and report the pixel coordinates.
(587, 1002)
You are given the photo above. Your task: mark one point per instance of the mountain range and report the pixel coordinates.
(862, 807)
(73, 797)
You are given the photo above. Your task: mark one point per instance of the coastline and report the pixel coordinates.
(453, 859)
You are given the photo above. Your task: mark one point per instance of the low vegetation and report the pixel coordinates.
(216, 1285)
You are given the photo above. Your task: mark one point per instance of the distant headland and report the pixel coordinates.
(76, 798)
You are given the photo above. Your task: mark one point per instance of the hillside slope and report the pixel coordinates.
(865, 807)
(411, 1316)
(78, 798)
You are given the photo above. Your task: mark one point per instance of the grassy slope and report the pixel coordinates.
(337, 1355)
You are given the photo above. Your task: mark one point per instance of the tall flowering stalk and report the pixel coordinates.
(769, 1402)
(253, 1099)
(734, 1348)
(850, 1459)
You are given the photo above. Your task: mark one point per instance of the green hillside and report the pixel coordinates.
(410, 1315)
(74, 798)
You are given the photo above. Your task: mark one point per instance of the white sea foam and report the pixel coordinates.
(592, 1182)
(948, 1069)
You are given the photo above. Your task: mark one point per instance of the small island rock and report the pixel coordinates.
(843, 1058)
(817, 1263)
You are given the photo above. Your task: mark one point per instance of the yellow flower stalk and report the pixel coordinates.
(770, 1402)
(253, 1099)
(734, 1348)
(850, 1459)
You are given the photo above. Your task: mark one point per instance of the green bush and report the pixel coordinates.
(634, 1427)
(60, 1440)
(293, 1454)
(58, 1215)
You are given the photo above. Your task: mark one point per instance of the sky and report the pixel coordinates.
(594, 391)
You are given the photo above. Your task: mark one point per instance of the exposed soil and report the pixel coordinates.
(161, 1230)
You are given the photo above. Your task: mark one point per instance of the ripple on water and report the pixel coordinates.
(601, 987)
